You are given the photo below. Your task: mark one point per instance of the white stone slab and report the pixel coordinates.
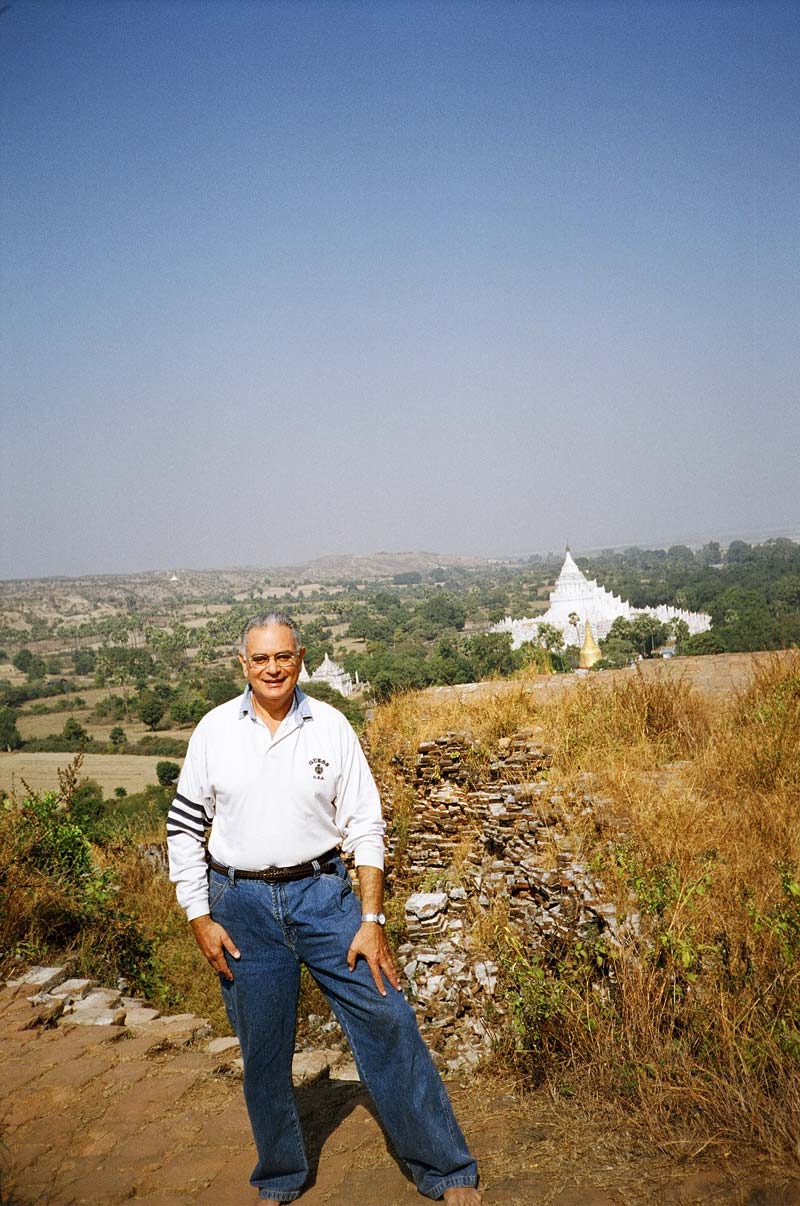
(219, 1046)
(74, 989)
(43, 978)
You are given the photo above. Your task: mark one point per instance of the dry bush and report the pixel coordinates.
(693, 1020)
(697, 1020)
(643, 722)
(57, 903)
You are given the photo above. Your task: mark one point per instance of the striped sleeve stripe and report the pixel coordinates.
(198, 808)
(196, 822)
(176, 826)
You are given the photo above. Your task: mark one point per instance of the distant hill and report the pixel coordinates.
(156, 587)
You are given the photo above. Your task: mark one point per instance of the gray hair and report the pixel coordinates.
(269, 619)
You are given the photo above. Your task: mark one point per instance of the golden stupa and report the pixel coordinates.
(591, 652)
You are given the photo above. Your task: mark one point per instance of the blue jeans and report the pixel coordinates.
(278, 927)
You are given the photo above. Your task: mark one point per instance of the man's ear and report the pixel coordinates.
(242, 663)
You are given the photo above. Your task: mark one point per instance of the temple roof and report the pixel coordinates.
(569, 569)
(327, 666)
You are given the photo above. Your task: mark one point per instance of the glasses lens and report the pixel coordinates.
(280, 659)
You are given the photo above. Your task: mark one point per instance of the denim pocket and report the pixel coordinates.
(335, 891)
(217, 887)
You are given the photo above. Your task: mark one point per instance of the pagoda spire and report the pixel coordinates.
(590, 653)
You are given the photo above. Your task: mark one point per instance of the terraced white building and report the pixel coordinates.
(576, 599)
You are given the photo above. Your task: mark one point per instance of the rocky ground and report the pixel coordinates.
(103, 1101)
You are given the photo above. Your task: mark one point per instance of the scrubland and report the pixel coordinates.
(690, 1023)
(693, 1021)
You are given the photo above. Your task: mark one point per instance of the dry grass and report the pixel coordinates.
(695, 1022)
(188, 984)
(40, 770)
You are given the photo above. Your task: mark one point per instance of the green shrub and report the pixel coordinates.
(167, 773)
(57, 903)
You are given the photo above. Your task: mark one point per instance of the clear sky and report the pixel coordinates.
(288, 279)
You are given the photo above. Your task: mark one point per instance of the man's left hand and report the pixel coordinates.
(370, 942)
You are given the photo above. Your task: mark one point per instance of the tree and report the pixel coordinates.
(448, 665)
(219, 688)
(74, 732)
(9, 733)
(616, 653)
(167, 772)
(680, 554)
(738, 552)
(644, 632)
(37, 668)
(172, 645)
(703, 642)
(444, 611)
(86, 806)
(491, 654)
(117, 736)
(22, 660)
(680, 630)
(151, 709)
(350, 708)
(549, 638)
(710, 554)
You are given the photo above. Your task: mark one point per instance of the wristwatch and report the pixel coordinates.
(379, 918)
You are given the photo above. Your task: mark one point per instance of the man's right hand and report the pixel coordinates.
(214, 941)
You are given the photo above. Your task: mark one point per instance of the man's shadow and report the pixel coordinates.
(323, 1107)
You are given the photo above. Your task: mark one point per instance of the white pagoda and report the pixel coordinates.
(575, 599)
(330, 672)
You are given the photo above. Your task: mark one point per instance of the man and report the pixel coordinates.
(283, 783)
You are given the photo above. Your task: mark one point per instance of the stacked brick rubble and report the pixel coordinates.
(505, 831)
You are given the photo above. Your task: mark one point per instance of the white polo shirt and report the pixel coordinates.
(270, 801)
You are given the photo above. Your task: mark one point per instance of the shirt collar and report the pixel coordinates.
(300, 705)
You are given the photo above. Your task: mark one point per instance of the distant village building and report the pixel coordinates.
(576, 602)
(329, 672)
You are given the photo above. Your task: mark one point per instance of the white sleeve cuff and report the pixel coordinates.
(369, 856)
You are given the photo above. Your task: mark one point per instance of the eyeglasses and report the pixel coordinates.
(281, 660)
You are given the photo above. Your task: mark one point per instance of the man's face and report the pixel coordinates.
(272, 667)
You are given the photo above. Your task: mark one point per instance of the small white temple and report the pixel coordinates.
(330, 672)
(575, 600)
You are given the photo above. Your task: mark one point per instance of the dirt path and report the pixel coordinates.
(146, 1112)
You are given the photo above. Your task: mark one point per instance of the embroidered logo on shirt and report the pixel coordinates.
(319, 765)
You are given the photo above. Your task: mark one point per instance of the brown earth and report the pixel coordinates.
(146, 1113)
(716, 676)
(40, 771)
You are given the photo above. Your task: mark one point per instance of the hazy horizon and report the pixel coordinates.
(289, 280)
(791, 533)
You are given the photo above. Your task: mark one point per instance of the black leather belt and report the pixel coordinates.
(282, 875)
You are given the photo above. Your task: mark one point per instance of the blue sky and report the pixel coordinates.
(288, 279)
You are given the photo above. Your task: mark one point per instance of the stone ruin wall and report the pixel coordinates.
(483, 832)
(499, 831)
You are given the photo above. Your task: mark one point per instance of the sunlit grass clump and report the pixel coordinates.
(694, 1018)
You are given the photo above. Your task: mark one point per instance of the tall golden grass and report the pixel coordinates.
(695, 1017)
